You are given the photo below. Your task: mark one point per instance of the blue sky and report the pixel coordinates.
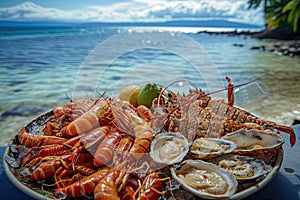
(128, 11)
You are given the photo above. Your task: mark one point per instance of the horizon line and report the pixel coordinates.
(178, 23)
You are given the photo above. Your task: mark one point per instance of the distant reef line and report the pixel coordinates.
(278, 34)
(286, 42)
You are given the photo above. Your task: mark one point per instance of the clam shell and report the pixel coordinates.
(169, 148)
(206, 153)
(253, 142)
(202, 165)
(260, 168)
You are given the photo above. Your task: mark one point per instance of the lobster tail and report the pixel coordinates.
(143, 139)
(83, 124)
(106, 188)
(84, 186)
(105, 151)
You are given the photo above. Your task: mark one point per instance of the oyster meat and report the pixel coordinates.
(242, 167)
(237, 168)
(205, 180)
(169, 148)
(254, 141)
(208, 148)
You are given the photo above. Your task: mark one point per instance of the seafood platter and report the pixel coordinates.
(147, 143)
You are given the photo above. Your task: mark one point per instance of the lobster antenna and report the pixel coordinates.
(170, 84)
(214, 92)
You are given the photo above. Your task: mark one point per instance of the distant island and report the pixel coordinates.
(183, 23)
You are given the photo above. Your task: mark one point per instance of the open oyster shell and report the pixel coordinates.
(254, 142)
(169, 148)
(242, 167)
(208, 148)
(205, 180)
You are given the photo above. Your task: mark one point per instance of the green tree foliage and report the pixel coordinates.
(279, 13)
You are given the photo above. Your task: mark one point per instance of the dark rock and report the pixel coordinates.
(296, 121)
(279, 34)
(287, 48)
(255, 48)
(238, 45)
(270, 48)
(292, 49)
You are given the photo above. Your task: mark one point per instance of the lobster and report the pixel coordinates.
(85, 186)
(151, 187)
(47, 169)
(51, 150)
(122, 150)
(71, 110)
(228, 114)
(144, 112)
(94, 117)
(240, 116)
(87, 141)
(113, 182)
(106, 188)
(75, 144)
(61, 114)
(85, 169)
(129, 122)
(105, 150)
(32, 140)
(127, 193)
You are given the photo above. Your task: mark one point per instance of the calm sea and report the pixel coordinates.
(40, 65)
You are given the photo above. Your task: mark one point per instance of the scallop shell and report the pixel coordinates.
(258, 167)
(208, 148)
(205, 180)
(169, 148)
(253, 142)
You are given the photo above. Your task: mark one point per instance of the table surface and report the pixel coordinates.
(285, 185)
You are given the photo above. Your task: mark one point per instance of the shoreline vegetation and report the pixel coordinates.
(286, 42)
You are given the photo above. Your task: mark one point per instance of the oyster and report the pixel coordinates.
(205, 180)
(169, 148)
(254, 141)
(208, 148)
(242, 167)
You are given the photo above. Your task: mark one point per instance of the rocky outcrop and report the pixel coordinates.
(278, 34)
(287, 48)
(289, 44)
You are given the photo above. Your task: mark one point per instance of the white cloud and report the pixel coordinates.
(31, 11)
(140, 10)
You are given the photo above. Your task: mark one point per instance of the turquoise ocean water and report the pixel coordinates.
(39, 65)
